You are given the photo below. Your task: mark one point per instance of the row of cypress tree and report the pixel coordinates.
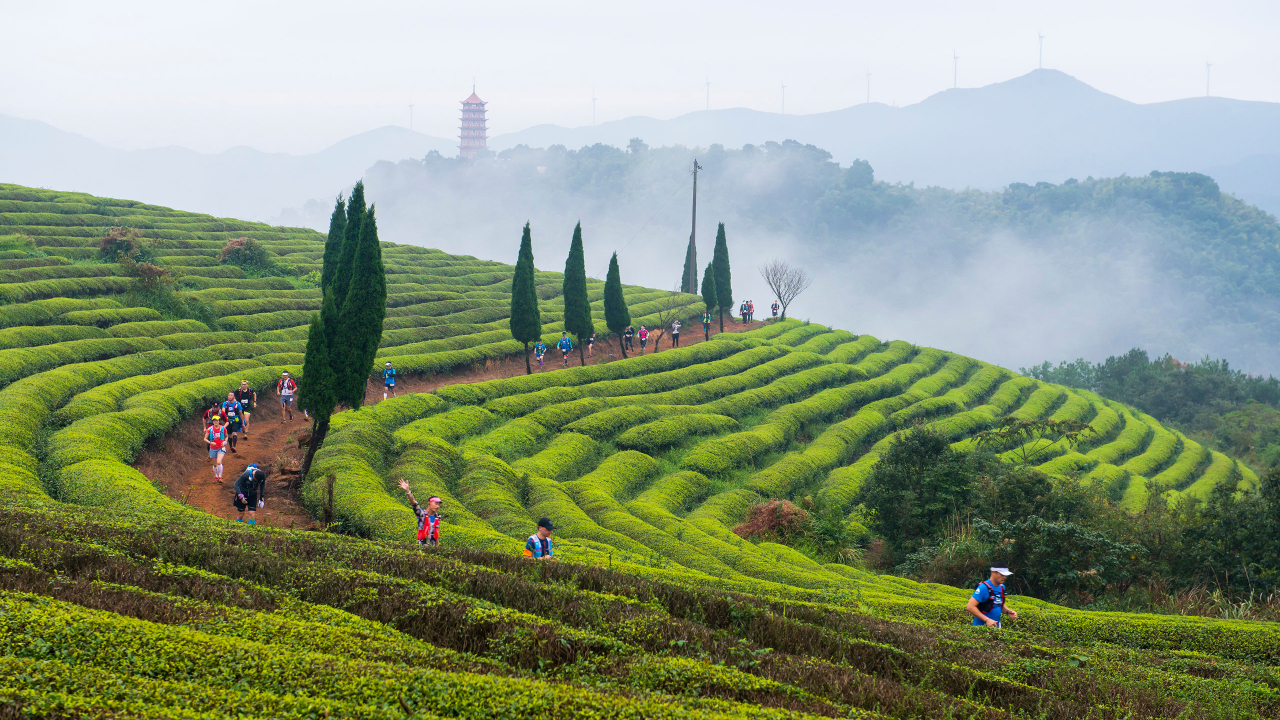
(526, 318)
(343, 338)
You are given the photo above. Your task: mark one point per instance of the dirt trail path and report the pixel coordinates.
(180, 463)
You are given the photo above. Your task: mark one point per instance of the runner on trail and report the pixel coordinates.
(591, 344)
(644, 338)
(231, 410)
(250, 492)
(742, 311)
(751, 310)
(675, 334)
(565, 346)
(213, 412)
(428, 520)
(628, 335)
(388, 381)
(539, 352)
(285, 388)
(775, 307)
(706, 325)
(538, 546)
(248, 400)
(215, 436)
(987, 603)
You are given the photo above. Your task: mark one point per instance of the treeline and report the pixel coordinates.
(1226, 408)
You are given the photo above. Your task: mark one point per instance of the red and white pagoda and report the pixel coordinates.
(474, 137)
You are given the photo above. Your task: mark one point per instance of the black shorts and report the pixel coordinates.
(250, 502)
(235, 426)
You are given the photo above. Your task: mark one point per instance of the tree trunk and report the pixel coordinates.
(582, 355)
(318, 431)
(528, 368)
(622, 345)
(721, 311)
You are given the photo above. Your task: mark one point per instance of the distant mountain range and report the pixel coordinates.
(1043, 126)
(240, 182)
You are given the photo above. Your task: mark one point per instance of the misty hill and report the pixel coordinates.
(239, 182)
(1083, 268)
(1043, 126)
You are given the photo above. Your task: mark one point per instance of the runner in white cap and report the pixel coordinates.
(987, 602)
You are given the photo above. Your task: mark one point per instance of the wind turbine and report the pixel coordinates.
(1207, 65)
(784, 99)
(868, 87)
(708, 92)
(1041, 49)
(593, 108)
(410, 113)
(955, 69)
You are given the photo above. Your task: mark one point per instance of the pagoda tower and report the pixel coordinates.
(474, 138)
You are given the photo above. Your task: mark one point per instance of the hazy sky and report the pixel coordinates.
(296, 77)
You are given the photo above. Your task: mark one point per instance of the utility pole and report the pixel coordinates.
(691, 255)
(784, 99)
(1207, 65)
(955, 69)
(1041, 65)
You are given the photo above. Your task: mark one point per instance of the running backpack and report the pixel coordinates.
(989, 604)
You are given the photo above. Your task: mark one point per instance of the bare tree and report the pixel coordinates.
(785, 281)
(671, 308)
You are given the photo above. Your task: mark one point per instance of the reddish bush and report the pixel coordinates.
(775, 518)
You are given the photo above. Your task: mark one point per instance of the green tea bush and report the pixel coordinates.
(108, 317)
(665, 432)
(28, 336)
(192, 340)
(40, 312)
(852, 352)
(106, 398)
(567, 456)
(21, 362)
(155, 328)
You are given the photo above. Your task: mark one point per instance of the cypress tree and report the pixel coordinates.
(724, 285)
(350, 242)
(689, 280)
(361, 315)
(709, 294)
(526, 318)
(333, 244)
(616, 315)
(577, 308)
(316, 389)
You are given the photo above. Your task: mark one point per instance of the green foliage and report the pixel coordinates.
(317, 394)
(333, 243)
(125, 243)
(247, 254)
(526, 320)
(616, 315)
(360, 318)
(710, 296)
(723, 273)
(351, 241)
(577, 308)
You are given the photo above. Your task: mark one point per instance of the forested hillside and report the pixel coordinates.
(1025, 269)
(672, 593)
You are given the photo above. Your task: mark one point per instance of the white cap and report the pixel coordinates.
(1002, 570)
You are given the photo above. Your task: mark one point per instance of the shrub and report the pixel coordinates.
(247, 254)
(40, 312)
(664, 432)
(125, 243)
(108, 317)
(773, 519)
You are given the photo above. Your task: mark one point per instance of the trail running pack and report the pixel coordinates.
(989, 604)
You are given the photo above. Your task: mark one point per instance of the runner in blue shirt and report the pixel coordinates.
(232, 411)
(388, 381)
(539, 351)
(987, 602)
(565, 346)
(538, 546)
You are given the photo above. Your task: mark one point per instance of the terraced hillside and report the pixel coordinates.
(118, 599)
